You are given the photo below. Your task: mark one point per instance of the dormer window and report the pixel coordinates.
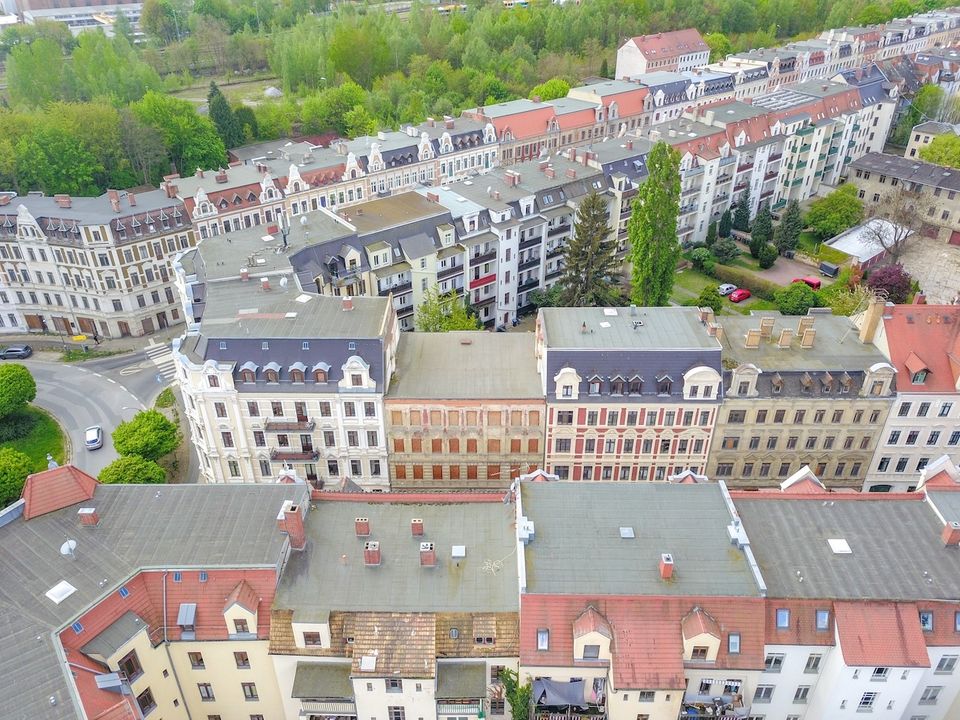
(617, 386)
(272, 376)
(699, 652)
(248, 376)
(296, 376)
(919, 377)
(636, 385)
(594, 386)
(664, 385)
(320, 376)
(213, 381)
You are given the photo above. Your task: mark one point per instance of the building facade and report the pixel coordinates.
(671, 51)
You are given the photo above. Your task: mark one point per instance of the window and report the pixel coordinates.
(946, 665)
(227, 438)
(823, 619)
(919, 377)
(930, 695)
(813, 663)
(763, 694)
(933, 438)
(903, 410)
(395, 713)
(730, 443)
(240, 626)
(699, 652)
(737, 416)
(220, 409)
(250, 691)
(311, 638)
(394, 685)
(145, 702)
(783, 618)
(866, 701)
(77, 628)
(242, 660)
(733, 643)
(880, 674)
(196, 660)
(565, 417)
(206, 692)
(773, 662)
(912, 437)
(591, 652)
(945, 409)
(213, 381)
(926, 621)
(497, 706)
(543, 639)
(130, 666)
(800, 696)
(646, 695)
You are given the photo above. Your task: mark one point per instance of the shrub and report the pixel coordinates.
(132, 470)
(892, 280)
(768, 256)
(14, 468)
(699, 258)
(17, 425)
(709, 297)
(165, 399)
(796, 299)
(149, 435)
(743, 278)
(17, 388)
(725, 250)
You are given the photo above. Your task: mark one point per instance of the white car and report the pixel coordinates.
(93, 437)
(726, 289)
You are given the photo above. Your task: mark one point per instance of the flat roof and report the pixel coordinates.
(735, 111)
(434, 365)
(865, 241)
(389, 212)
(511, 107)
(661, 328)
(578, 549)
(450, 199)
(483, 580)
(896, 550)
(322, 680)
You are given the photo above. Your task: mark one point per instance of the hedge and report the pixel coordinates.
(746, 279)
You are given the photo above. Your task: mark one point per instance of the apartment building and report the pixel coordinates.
(277, 381)
(798, 392)
(123, 602)
(415, 615)
(932, 188)
(924, 133)
(97, 266)
(629, 609)
(751, 78)
(671, 51)
(464, 411)
(920, 342)
(632, 394)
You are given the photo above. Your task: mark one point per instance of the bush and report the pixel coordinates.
(699, 258)
(17, 388)
(132, 470)
(742, 278)
(709, 297)
(768, 256)
(149, 435)
(165, 399)
(17, 425)
(796, 299)
(891, 280)
(725, 250)
(14, 468)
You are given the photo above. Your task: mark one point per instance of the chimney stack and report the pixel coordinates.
(347, 303)
(371, 553)
(416, 527)
(951, 533)
(5, 199)
(244, 274)
(113, 196)
(290, 521)
(88, 517)
(428, 555)
(132, 199)
(62, 201)
(362, 526)
(629, 144)
(170, 189)
(666, 566)
(871, 320)
(265, 284)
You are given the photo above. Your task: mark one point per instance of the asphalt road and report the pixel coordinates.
(79, 397)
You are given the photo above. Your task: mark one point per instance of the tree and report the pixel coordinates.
(892, 281)
(17, 388)
(517, 694)
(702, 260)
(590, 258)
(192, 141)
(604, 69)
(767, 256)
(220, 112)
(796, 299)
(51, 159)
(725, 250)
(741, 213)
(161, 20)
(14, 468)
(719, 45)
(132, 470)
(328, 109)
(150, 435)
(545, 298)
(762, 232)
(894, 221)
(443, 313)
(726, 224)
(654, 249)
(359, 122)
(143, 147)
(710, 297)
(551, 89)
(37, 73)
(711, 234)
(787, 235)
(943, 150)
(248, 122)
(831, 215)
(108, 68)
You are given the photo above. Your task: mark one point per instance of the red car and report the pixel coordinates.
(811, 281)
(739, 294)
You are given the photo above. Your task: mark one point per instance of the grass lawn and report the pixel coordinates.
(746, 262)
(744, 307)
(44, 438)
(808, 243)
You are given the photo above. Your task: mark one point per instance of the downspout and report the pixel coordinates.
(166, 646)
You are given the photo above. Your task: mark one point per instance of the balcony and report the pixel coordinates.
(481, 281)
(555, 252)
(531, 242)
(556, 699)
(555, 273)
(690, 192)
(485, 257)
(291, 455)
(530, 262)
(558, 230)
(745, 166)
(289, 426)
(724, 178)
(739, 187)
(774, 158)
(528, 284)
(450, 271)
(396, 288)
(728, 705)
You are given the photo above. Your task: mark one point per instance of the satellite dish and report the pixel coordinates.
(68, 547)
(283, 282)
(303, 219)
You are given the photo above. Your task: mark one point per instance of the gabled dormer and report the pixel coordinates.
(240, 611)
(592, 636)
(701, 636)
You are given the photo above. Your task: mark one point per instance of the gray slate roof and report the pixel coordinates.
(113, 637)
(909, 169)
(577, 547)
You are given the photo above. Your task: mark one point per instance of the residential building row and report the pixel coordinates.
(682, 599)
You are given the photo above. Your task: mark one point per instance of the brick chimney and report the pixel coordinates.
(428, 555)
(871, 320)
(265, 284)
(550, 173)
(132, 199)
(290, 521)
(629, 144)
(5, 198)
(88, 517)
(433, 197)
(571, 173)
(114, 197)
(347, 303)
(536, 99)
(244, 274)
(362, 526)
(448, 122)
(951, 533)
(371, 553)
(170, 189)
(416, 527)
(62, 201)
(666, 566)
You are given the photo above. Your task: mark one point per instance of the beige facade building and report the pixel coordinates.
(798, 391)
(464, 410)
(924, 133)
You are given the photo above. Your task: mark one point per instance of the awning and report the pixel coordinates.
(461, 681)
(560, 694)
(322, 680)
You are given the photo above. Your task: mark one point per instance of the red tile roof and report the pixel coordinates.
(697, 622)
(803, 622)
(56, 489)
(243, 595)
(929, 333)
(881, 634)
(591, 620)
(670, 44)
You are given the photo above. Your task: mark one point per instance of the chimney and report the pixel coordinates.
(5, 198)
(535, 98)
(265, 284)
(416, 527)
(170, 189)
(244, 274)
(88, 517)
(221, 177)
(666, 566)
(428, 555)
(431, 122)
(290, 521)
(62, 201)
(346, 304)
(951, 533)
(448, 122)
(629, 144)
(496, 194)
(871, 320)
(550, 173)
(571, 173)
(543, 165)
(199, 173)
(371, 553)
(362, 526)
(433, 197)
(132, 199)
(113, 196)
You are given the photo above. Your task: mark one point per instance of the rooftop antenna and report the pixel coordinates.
(68, 547)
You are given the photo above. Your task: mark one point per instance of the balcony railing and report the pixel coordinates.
(481, 281)
(291, 455)
(528, 283)
(462, 708)
(558, 229)
(447, 272)
(530, 262)
(555, 252)
(329, 707)
(289, 426)
(477, 259)
(396, 288)
(531, 242)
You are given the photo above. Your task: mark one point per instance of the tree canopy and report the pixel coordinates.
(893, 281)
(17, 388)
(191, 140)
(943, 150)
(132, 470)
(14, 468)
(149, 434)
(443, 313)
(796, 299)
(840, 210)
(590, 262)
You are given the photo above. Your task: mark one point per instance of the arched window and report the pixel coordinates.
(320, 376)
(248, 376)
(272, 376)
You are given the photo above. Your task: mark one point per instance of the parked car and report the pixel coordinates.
(93, 437)
(811, 281)
(726, 289)
(739, 294)
(16, 352)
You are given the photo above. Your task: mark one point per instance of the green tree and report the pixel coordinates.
(132, 470)
(943, 150)
(796, 299)
(762, 232)
(37, 74)
(711, 234)
(52, 160)
(220, 112)
(590, 261)
(741, 213)
(359, 122)
(604, 69)
(143, 147)
(149, 434)
(551, 89)
(654, 249)
(191, 141)
(787, 235)
(17, 388)
(768, 256)
(160, 19)
(328, 109)
(840, 210)
(546, 298)
(14, 468)
(702, 260)
(443, 313)
(518, 695)
(248, 122)
(122, 27)
(109, 68)
(719, 44)
(726, 224)
(725, 250)
(710, 297)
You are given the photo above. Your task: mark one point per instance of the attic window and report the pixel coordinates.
(454, 633)
(919, 377)
(543, 639)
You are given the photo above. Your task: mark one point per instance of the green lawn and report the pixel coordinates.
(808, 243)
(44, 438)
(746, 262)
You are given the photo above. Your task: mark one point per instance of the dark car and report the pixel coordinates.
(16, 352)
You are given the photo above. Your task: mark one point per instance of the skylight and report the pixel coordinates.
(839, 546)
(60, 592)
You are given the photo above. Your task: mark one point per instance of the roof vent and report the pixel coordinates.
(362, 527)
(839, 546)
(458, 552)
(428, 555)
(627, 533)
(371, 553)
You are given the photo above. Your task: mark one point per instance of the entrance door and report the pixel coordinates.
(34, 322)
(124, 329)
(162, 319)
(104, 329)
(147, 326)
(61, 324)
(87, 325)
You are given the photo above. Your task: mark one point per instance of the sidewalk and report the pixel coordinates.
(57, 342)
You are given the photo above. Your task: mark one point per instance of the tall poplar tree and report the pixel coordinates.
(590, 258)
(654, 247)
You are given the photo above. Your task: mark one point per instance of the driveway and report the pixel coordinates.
(784, 270)
(936, 267)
